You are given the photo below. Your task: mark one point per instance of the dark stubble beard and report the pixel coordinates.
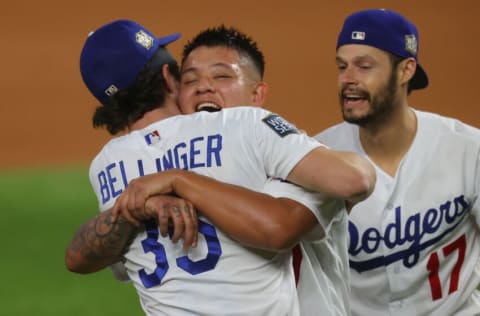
(382, 104)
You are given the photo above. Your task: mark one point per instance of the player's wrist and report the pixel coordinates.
(178, 178)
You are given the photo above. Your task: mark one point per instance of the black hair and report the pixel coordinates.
(229, 37)
(146, 93)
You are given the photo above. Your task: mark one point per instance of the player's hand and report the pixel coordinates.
(133, 198)
(179, 213)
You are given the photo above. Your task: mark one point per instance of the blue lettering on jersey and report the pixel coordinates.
(279, 125)
(198, 152)
(109, 188)
(194, 267)
(414, 229)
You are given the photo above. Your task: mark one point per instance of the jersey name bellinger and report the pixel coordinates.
(198, 152)
(436, 222)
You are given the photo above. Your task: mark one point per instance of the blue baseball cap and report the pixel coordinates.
(388, 31)
(114, 55)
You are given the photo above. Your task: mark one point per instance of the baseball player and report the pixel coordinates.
(415, 242)
(214, 144)
(323, 284)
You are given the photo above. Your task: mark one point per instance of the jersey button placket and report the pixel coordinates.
(394, 268)
(396, 308)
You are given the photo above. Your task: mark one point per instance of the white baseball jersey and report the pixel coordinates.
(241, 146)
(415, 242)
(323, 284)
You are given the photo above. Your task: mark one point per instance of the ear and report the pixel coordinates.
(259, 93)
(172, 84)
(407, 70)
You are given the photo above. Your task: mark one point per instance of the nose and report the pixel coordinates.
(205, 85)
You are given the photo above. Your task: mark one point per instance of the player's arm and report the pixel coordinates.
(302, 160)
(98, 243)
(101, 241)
(343, 175)
(252, 218)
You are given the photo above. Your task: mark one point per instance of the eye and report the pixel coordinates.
(188, 81)
(365, 64)
(222, 76)
(188, 77)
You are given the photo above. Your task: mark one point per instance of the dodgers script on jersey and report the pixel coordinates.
(241, 146)
(415, 242)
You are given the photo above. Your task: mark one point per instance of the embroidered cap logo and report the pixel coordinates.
(356, 35)
(111, 90)
(411, 44)
(144, 39)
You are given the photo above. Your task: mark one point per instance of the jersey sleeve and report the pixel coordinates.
(324, 209)
(120, 272)
(468, 130)
(280, 143)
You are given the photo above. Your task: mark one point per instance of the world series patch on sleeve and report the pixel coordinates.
(281, 126)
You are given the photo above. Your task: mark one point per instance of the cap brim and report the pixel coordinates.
(420, 79)
(162, 41)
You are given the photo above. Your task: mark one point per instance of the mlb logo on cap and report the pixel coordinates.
(358, 35)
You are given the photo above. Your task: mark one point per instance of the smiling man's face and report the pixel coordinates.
(218, 77)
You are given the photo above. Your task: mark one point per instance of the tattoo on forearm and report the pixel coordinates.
(100, 238)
